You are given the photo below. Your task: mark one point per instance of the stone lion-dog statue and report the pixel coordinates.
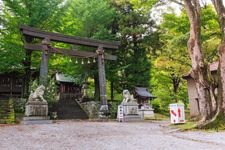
(127, 97)
(37, 95)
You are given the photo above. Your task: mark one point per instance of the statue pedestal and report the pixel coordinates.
(130, 108)
(147, 113)
(36, 109)
(130, 111)
(36, 112)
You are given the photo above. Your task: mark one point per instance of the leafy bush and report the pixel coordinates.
(19, 105)
(50, 90)
(11, 115)
(156, 104)
(7, 114)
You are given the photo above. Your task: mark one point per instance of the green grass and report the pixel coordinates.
(159, 116)
(188, 125)
(217, 125)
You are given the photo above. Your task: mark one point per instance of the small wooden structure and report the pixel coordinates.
(67, 87)
(11, 85)
(192, 91)
(144, 102)
(143, 96)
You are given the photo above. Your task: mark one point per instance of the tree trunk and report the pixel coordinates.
(219, 6)
(176, 82)
(111, 90)
(200, 70)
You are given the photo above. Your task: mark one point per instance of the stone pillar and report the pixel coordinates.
(102, 80)
(44, 63)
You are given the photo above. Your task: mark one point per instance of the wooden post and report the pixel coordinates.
(11, 86)
(44, 63)
(26, 80)
(102, 80)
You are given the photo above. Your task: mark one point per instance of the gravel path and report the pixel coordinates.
(84, 135)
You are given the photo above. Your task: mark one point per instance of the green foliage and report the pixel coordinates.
(186, 126)
(19, 105)
(156, 104)
(149, 55)
(134, 26)
(88, 18)
(7, 115)
(173, 61)
(113, 106)
(11, 115)
(50, 93)
(218, 124)
(36, 13)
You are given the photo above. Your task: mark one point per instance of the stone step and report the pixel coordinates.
(36, 118)
(27, 122)
(69, 109)
(130, 118)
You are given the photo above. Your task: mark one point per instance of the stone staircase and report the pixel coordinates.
(70, 109)
(7, 115)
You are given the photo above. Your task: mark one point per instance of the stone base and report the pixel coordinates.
(132, 118)
(36, 120)
(36, 109)
(129, 112)
(130, 108)
(146, 113)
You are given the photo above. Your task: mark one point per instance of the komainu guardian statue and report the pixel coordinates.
(127, 97)
(37, 95)
(36, 104)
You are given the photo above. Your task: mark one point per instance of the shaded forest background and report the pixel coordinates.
(153, 51)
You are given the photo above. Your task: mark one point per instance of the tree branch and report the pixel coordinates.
(177, 2)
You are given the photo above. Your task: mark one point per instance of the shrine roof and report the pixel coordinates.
(143, 92)
(64, 78)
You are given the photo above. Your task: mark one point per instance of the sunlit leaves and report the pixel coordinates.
(37, 13)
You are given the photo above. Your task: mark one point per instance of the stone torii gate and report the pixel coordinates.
(30, 33)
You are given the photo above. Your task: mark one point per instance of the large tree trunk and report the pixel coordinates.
(219, 6)
(175, 82)
(200, 69)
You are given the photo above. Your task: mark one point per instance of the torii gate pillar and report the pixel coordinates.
(43, 80)
(102, 80)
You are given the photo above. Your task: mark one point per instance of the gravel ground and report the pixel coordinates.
(86, 135)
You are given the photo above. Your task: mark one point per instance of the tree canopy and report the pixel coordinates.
(153, 52)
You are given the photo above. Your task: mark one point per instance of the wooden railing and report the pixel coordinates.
(10, 86)
(70, 95)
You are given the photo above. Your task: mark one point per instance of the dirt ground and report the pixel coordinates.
(87, 135)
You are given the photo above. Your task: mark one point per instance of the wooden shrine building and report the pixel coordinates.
(11, 85)
(143, 96)
(67, 86)
(32, 35)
